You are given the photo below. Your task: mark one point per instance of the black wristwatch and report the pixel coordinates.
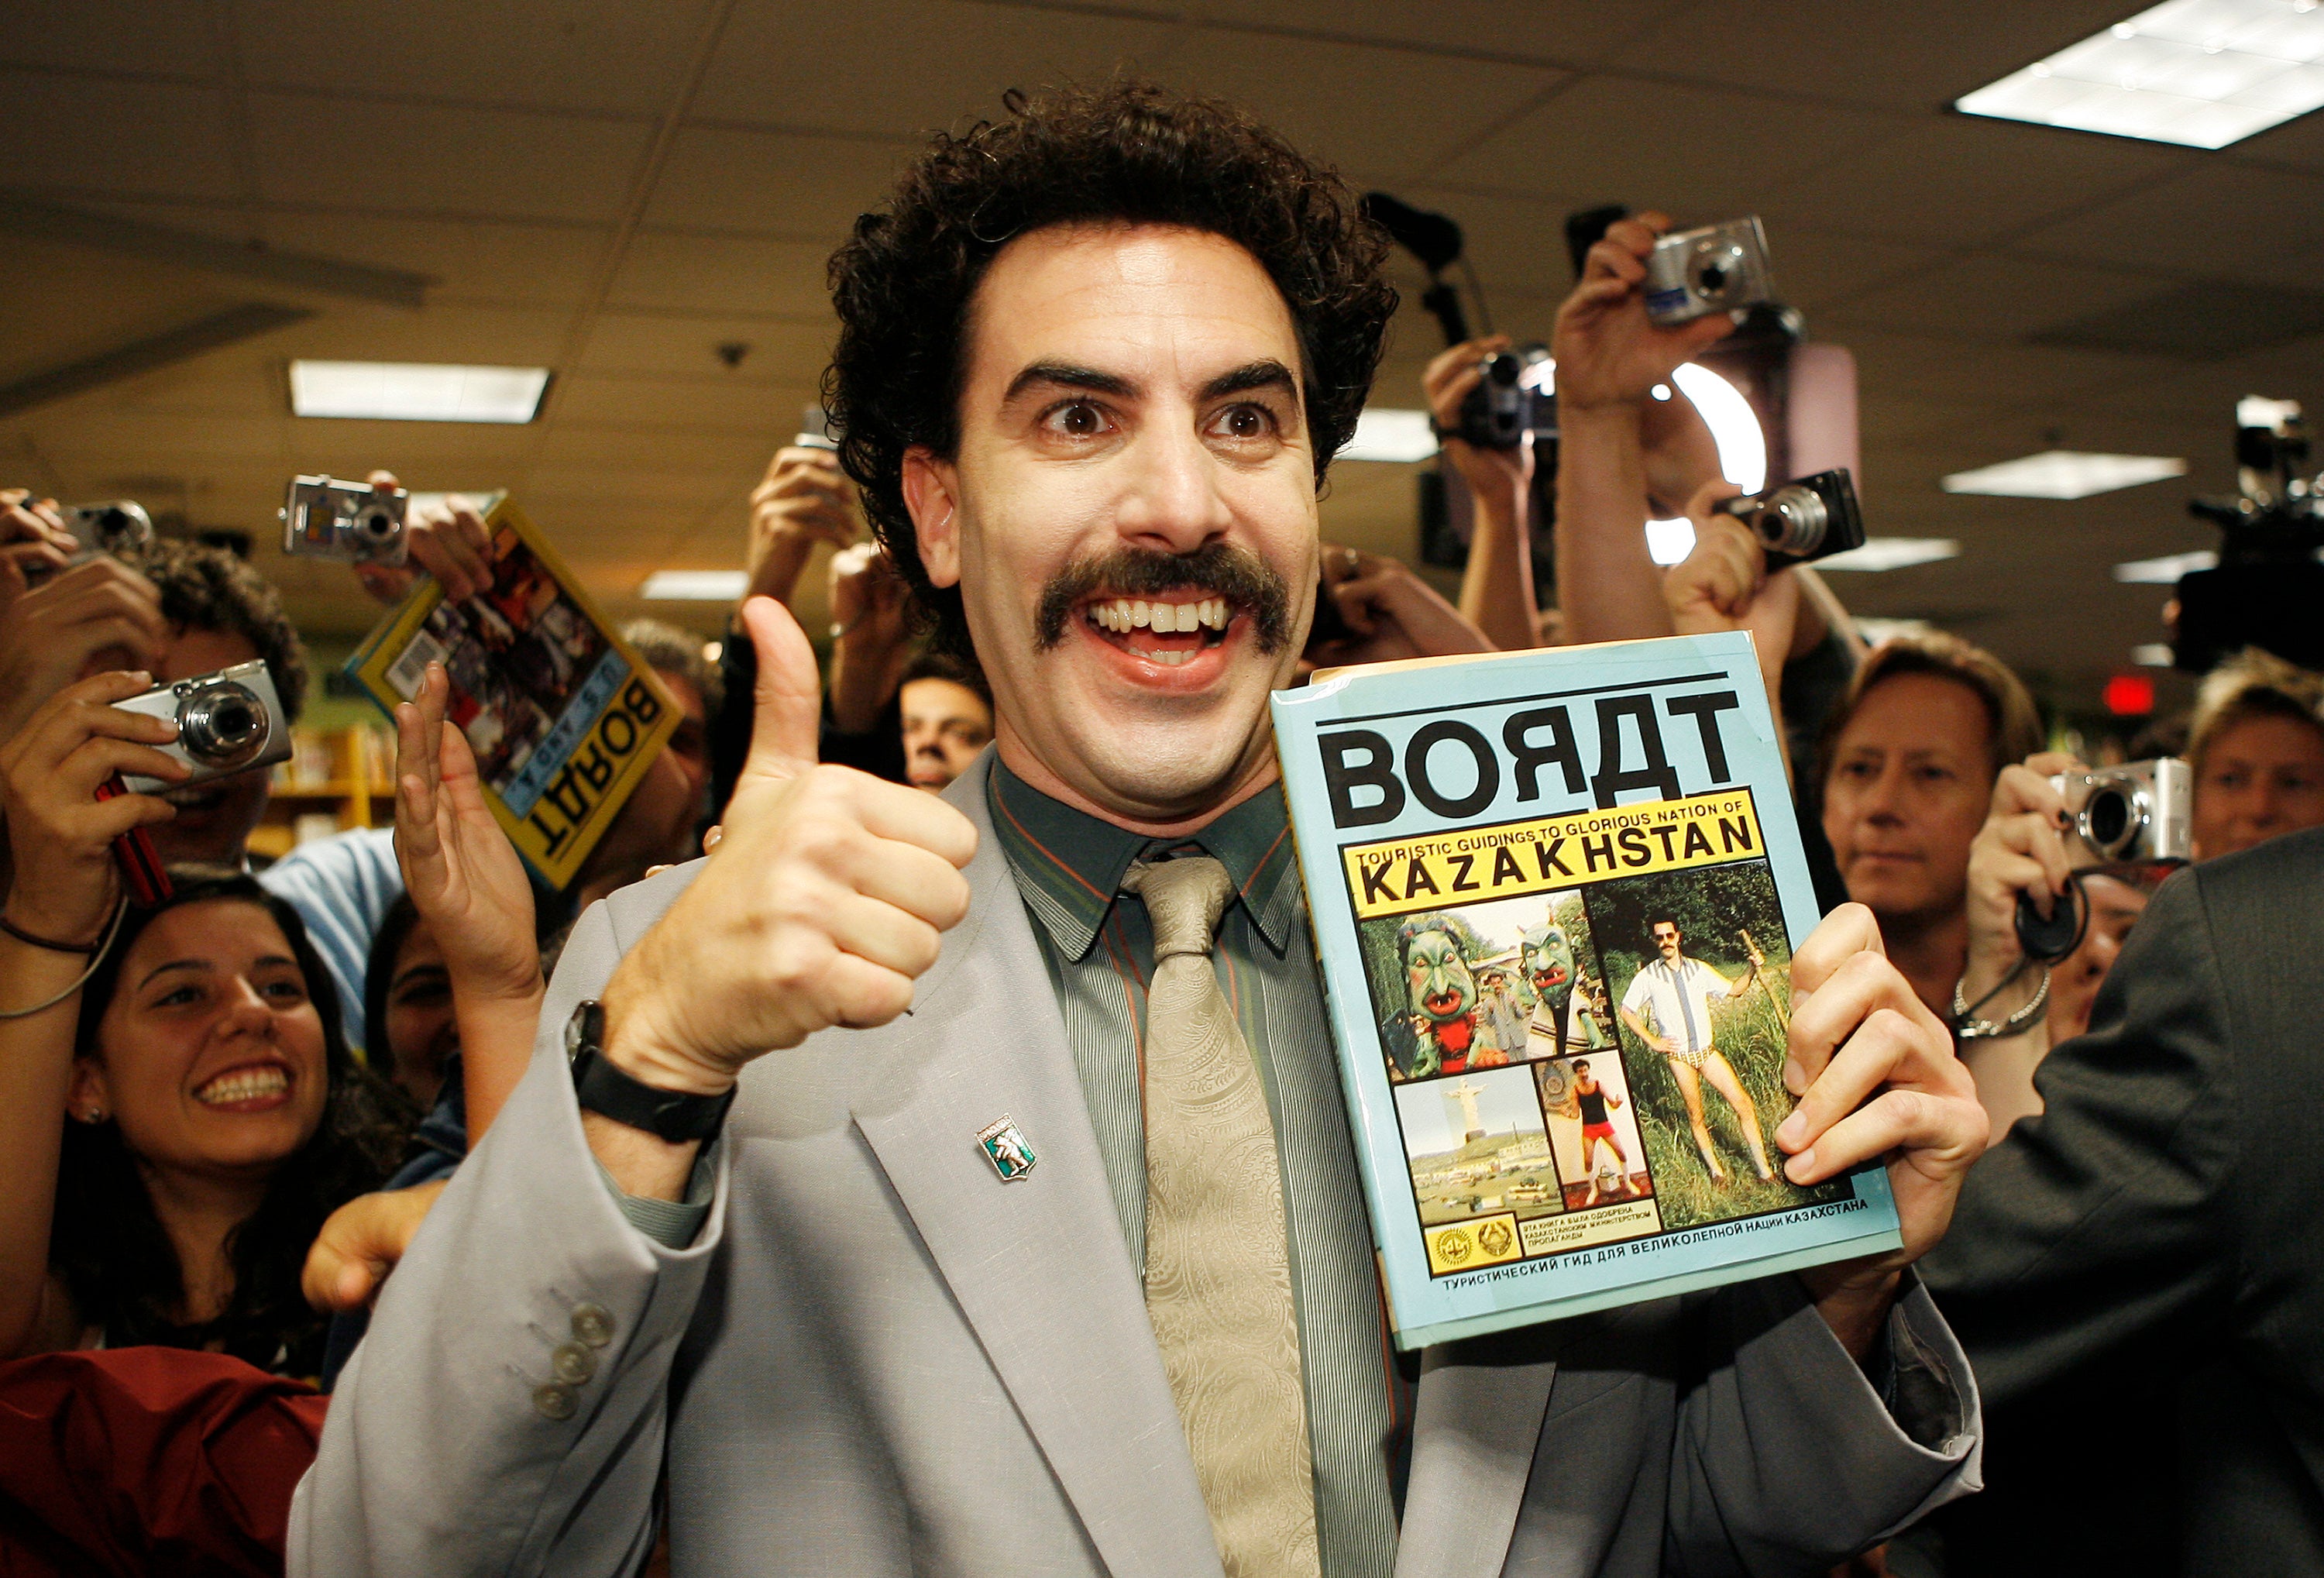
(600, 1087)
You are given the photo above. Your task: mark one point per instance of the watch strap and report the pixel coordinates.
(676, 1116)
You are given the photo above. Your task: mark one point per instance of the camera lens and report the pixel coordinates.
(1791, 521)
(377, 523)
(222, 725)
(2111, 820)
(1503, 370)
(1712, 279)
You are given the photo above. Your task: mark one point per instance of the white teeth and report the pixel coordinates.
(1124, 614)
(243, 1085)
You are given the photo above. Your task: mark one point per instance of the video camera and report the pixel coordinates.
(1516, 397)
(2267, 589)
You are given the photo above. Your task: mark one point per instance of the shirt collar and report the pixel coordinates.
(1068, 864)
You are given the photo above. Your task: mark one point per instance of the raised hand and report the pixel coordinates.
(59, 832)
(448, 541)
(464, 875)
(1608, 351)
(1447, 382)
(804, 499)
(99, 614)
(820, 905)
(1724, 583)
(33, 544)
(1877, 1079)
(2021, 849)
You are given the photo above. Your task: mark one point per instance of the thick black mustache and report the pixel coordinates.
(1236, 574)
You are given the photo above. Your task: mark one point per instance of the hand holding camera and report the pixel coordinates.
(804, 499)
(1731, 582)
(1609, 353)
(61, 834)
(97, 615)
(445, 539)
(1461, 408)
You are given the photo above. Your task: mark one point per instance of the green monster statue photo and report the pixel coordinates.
(1562, 1020)
(1442, 993)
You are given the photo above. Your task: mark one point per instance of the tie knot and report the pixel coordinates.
(1184, 900)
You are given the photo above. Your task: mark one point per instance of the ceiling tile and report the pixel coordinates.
(686, 344)
(470, 260)
(490, 163)
(70, 135)
(1418, 108)
(941, 62)
(2217, 221)
(109, 37)
(1956, 180)
(1908, 58)
(723, 273)
(1987, 299)
(605, 55)
(1550, 31)
(1695, 153)
(754, 182)
(659, 413)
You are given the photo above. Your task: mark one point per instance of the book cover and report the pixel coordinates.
(564, 717)
(1555, 895)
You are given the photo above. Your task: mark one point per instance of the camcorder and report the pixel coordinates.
(1810, 519)
(1515, 396)
(2125, 819)
(2268, 586)
(228, 722)
(1718, 268)
(324, 518)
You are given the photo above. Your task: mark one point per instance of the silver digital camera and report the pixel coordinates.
(228, 722)
(1692, 274)
(1810, 519)
(2136, 813)
(116, 526)
(326, 518)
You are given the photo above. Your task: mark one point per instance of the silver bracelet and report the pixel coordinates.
(2017, 1023)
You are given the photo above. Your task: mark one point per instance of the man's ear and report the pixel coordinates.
(932, 494)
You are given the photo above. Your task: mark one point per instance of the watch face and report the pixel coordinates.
(587, 1028)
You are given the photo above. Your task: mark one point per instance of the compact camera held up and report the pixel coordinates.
(116, 526)
(2136, 813)
(1720, 268)
(324, 518)
(1813, 518)
(228, 722)
(1515, 396)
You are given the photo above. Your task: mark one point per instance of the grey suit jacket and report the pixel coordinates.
(880, 1359)
(2160, 1222)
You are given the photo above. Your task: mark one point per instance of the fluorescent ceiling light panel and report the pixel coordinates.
(1384, 434)
(2165, 571)
(1893, 553)
(2064, 474)
(1875, 631)
(1734, 425)
(695, 586)
(1669, 541)
(2203, 73)
(2154, 655)
(416, 392)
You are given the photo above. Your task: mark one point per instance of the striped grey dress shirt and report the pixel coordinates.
(1100, 951)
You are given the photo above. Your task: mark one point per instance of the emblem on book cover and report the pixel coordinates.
(1004, 1146)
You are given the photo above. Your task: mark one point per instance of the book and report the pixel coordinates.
(1555, 895)
(564, 716)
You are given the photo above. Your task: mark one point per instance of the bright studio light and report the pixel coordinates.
(2064, 474)
(2202, 73)
(695, 586)
(1386, 434)
(2165, 571)
(1742, 451)
(1893, 553)
(417, 391)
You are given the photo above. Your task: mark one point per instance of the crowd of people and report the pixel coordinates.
(228, 1122)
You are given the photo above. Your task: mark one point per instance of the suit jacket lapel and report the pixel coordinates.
(1038, 1266)
(1475, 1428)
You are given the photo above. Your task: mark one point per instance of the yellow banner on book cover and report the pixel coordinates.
(1470, 864)
(564, 716)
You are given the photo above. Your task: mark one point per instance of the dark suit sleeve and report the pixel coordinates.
(2104, 1220)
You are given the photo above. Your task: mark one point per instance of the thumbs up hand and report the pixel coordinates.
(821, 903)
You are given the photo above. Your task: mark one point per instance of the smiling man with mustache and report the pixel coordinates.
(962, 1186)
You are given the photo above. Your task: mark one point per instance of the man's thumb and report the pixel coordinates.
(788, 708)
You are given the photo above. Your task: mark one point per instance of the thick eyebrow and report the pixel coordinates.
(1063, 375)
(1265, 373)
(206, 965)
(416, 973)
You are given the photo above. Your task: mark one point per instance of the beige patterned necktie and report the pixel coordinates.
(1218, 1276)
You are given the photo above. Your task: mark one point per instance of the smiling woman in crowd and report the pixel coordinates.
(179, 1111)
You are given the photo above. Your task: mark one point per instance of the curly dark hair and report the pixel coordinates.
(1129, 152)
(208, 588)
(109, 1245)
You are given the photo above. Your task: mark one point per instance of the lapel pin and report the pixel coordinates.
(1004, 1146)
